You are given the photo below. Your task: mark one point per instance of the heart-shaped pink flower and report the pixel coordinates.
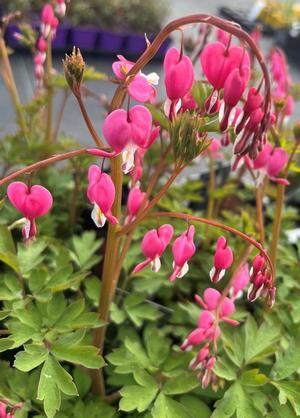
(127, 131)
(32, 202)
(101, 193)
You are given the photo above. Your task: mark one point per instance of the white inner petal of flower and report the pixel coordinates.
(183, 271)
(26, 228)
(128, 158)
(152, 78)
(98, 217)
(212, 273)
(155, 264)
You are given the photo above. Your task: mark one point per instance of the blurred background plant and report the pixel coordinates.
(130, 15)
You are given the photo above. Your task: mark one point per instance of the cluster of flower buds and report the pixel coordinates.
(32, 202)
(155, 242)
(39, 60)
(215, 309)
(261, 282)
(227, 68)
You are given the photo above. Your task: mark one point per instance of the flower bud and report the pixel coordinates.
(74, 66)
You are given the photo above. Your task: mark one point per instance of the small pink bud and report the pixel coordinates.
(206, 319)
(47, 14)
(256, 286)
(211, 362)
(194, 338)
(135, 199)
(222, 260)
(183, 249)
(240, 281)
(42, 44)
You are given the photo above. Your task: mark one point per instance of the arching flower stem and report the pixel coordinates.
(224, 227)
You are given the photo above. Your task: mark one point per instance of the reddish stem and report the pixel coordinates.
(43, 163)
(219, 225)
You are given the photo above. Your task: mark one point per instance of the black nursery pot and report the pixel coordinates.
(61, 42)
(111, 42)
(10, 38)
(84, 38)
(135, 44)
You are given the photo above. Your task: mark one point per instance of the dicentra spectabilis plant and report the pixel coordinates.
(125, 285)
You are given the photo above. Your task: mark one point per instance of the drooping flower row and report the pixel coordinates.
(49, 24)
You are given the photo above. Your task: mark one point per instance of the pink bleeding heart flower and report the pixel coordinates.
(262, 158)
(240, 281)
(211, 300)
(213, 149)
(61, 7)
(41, 44)
(277, 160)
(101, 193)
(223, 259)
(141, 87)
(217, 61)
(126, 132)
(234, 87)
(179, 74)
(183, 249)
(270, 161)
(54, 26)
(47, 18)
(32, 202)
(290, 106)
(134, 201)
(153, 246)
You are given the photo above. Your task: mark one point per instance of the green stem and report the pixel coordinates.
(278, 210)
(259, 213)
(211, 186)
(11, 85)
(48, 134)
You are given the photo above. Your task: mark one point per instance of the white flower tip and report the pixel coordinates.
(153, 78)
(184, 269)
(212, 273)
(155, 264)
(98, 217)
(128, 159)
(26, 228)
